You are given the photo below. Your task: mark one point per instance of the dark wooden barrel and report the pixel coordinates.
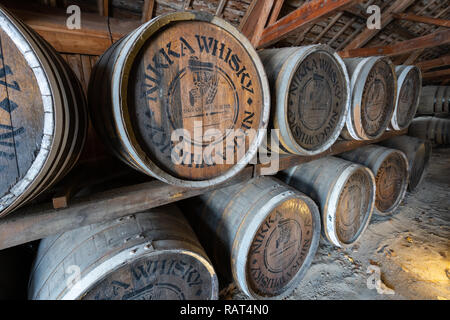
(390, 168)
(374, 87)
(263, 234)
(153, 255)
(310, 91)
(417, 151)
(184, 70)
(344, 191)
(434, 129)
(434, 100)
(408, 94)
(43, 117)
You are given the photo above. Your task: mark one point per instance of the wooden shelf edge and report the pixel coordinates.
(37, 222)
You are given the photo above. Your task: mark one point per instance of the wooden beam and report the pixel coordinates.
(276, 11)
(435, 63)
(147, 10)
(413, 57)
(428, 41)
(329, 26)
(220, 7)
(386, 18)
(92, 39)
(343, 29)
(37, 222)
(103, 7)
(309, 12)
(255, 19)
(436, 74)
(422, 19)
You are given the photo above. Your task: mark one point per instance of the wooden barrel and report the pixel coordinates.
(43, 117)
(408, 94)
(183, 70)
(434, 100)
(374, 86)
(390, 168)
(434, 129)
(263, 234)
(345, 192)
(310, 91)
(417, 151)
(153, 255)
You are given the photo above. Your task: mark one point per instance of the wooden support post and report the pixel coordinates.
(255, 19)
(428, 41)
(309, 12)
(147, 10)
(103, 7)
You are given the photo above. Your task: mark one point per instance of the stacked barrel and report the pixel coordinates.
(43, 117)
(186, 99)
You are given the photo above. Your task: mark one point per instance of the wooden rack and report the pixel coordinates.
(40, 221)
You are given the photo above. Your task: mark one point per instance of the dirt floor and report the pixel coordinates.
(408, 252)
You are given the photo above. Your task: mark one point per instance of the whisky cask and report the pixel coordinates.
(434, 100)
(407, 98)
(263, 234)
(43, 117)
(374, 86)
(153, 255)
(390, 168)
(417, 151)
(310, 91)
(183, 72)
(344, 191)
(434, 129)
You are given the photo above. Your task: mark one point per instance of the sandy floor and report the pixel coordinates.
(409, 252)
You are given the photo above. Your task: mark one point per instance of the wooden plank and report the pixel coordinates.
(436, 74)
(147, 10)
(435, 63)
(428, 41)
(92, 39)
(255, 19)
(386, 18)
(38, 222)
(328, 27)
(287, 161)
(422, 19)
(309, 12)
(343, 29)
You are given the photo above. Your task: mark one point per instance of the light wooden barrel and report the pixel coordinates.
(434, 129)
(310, 91)
(263, 234)
(43, 117)
(408, 94)
(417, 151)
(183, 70)
(153, 255)
(374, 86)
(390, 168)
(344, 191)
(434, 100)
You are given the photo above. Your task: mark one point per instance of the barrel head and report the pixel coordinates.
(198, 79)
(354, 207)
(378, 99)
(280, 247)
(164, 276)
(409, 91)
(391, 181)
(317, 101)
(21, 110)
